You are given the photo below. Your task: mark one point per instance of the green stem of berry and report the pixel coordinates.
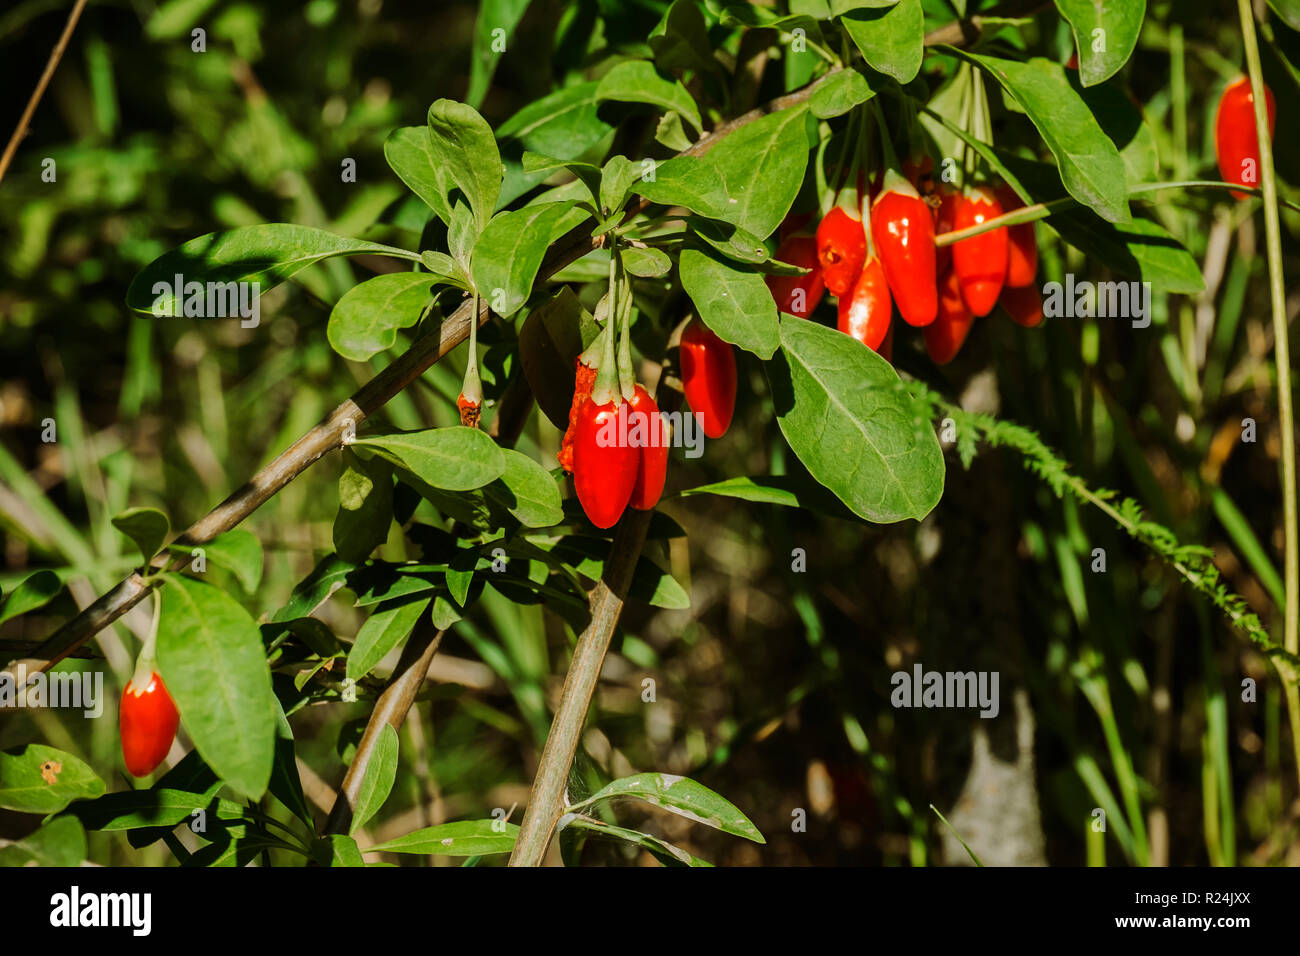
(626, 374)
(472, 387)
(607, 387)
(147, 661)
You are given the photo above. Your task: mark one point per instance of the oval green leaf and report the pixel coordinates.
(510, 251)
(366, 319)
(210, 654)
(892, 39)
(853, 423)
(454, 459)
(40, 779)
(377, 781)
(735, 304)
(685, 797)
(462, 838)
(147, 527)
(1112, 27)
(389, 626)
(267, 254)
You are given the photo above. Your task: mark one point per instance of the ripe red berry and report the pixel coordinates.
(902, 230)
(798, 295)
(1024, 305)
(1022, 243)
(1236, 142)
(980, 262)
(604, 464)
(147, 721)
(584, 381)
(841, 248)
(708, 377)
(944, 337)
(865, 312)
(651, 438)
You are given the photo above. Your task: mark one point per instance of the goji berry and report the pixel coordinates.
(708, 377)
(865, 312)
(798, 295)
(980, 262)
(1236, 141)
(147, 721)
(902, 229)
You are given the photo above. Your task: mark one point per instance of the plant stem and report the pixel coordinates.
(1282, 361)
(51, 65)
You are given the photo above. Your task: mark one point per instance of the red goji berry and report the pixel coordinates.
(584, 381)
(865, 312)
(980, 262)
(652, 442)
(798, 295)
(944, 337)
(147, 721)
(1022, 244)
(708, 377)
(841, 248)
(1236, 141)
(604, 464)
(1024, 305)
(902, 230)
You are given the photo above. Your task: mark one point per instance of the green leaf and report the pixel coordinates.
(337, 850)
(681, 40)
(465, 151)
(510, 251)
(326, 578)
(286, 784)
(1112, 26)
(853, 423)
(365, 321)
(1288, 10)
(25, 788)
(236, 550)
(839, 93)
(389, 626)
(462, 838)
(892, 39)
(550, 341)
(527, 491)
(154, 807)
(685, 797)
(493, 16)
(210, 654)
(784, 490)
(36, 590)
(61, 842)
(267, 254)
(616, 178)
(735, 304)
(669, 132)
(454, 459)
(377, 781)
(690, 181)
(1122, 122)
(734, 242)
(1090, 165)
(409, 152)
(365, 507)
(1140, 249)
(637, 81)
(444, 613)
(762, 168)
(647, 263)
(147, 527)
(650, 583)
(661, 850)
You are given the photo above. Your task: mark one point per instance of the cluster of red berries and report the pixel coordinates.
(876, 249)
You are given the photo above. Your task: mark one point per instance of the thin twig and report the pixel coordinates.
(1282, 361)
(50, 66)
